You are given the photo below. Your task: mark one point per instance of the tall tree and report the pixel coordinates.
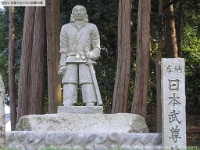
(24, 77)
(140, 98)
(37, 66)
(180, 28)
(170, 36)
(120, 96)
(158, 67)
(11, 47)
(53, 55)
(31, 82)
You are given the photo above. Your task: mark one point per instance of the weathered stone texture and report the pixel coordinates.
(2, 113)
(31, 140)
(92, 123)
(81, 109)
(173, 103)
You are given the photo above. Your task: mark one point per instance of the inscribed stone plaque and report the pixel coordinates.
(173, 103)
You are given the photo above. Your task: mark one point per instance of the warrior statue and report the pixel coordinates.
(79, 48)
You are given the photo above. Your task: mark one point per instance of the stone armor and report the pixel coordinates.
(76, 44)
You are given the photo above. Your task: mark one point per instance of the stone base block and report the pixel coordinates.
(58, 140)
(86, 123)
(81, 109)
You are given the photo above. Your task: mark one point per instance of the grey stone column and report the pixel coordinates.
(2, 114)
(173, 103)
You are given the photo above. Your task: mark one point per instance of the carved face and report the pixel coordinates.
(79, 12)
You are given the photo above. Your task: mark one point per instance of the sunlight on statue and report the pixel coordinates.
(79, 48)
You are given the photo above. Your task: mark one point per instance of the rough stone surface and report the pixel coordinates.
(79, 49)
(81, 109)
(31, 140)
(173, 103)
(92, 123)
(2, 113)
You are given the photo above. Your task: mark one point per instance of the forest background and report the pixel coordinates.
(178, 19)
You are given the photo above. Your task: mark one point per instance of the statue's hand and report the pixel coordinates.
(62, 70)
(89, 55)
(94, 54)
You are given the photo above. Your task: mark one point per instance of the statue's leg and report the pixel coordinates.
(69, 94)
(88, 94)
(70, 82)
(87, 87)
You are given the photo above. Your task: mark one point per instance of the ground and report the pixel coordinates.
(193, 128)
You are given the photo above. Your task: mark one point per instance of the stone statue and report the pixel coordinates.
(79, 48)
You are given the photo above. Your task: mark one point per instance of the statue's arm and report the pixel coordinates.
(95, 41)
(63, 52)
(63, 46)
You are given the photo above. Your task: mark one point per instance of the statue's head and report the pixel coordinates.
(79, 12)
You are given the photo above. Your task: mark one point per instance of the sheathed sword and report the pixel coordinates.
(94, 79)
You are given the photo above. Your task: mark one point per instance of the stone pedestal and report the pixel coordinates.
(85, 123)
(81, 109)
(58, 140)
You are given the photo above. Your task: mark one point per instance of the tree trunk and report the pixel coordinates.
(53, 55)
(171, 43)
(12, 97)
(180, 28)
(24, 78)
(140, 98)
(158, 69)
(37, 83)
(120, 96)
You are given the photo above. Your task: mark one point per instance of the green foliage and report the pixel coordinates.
(19, 20)
(191, 52)
(4, 38)
(193, 148)
(4, 46)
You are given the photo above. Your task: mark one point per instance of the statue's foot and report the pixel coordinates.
(68, 104)
(90, 104)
